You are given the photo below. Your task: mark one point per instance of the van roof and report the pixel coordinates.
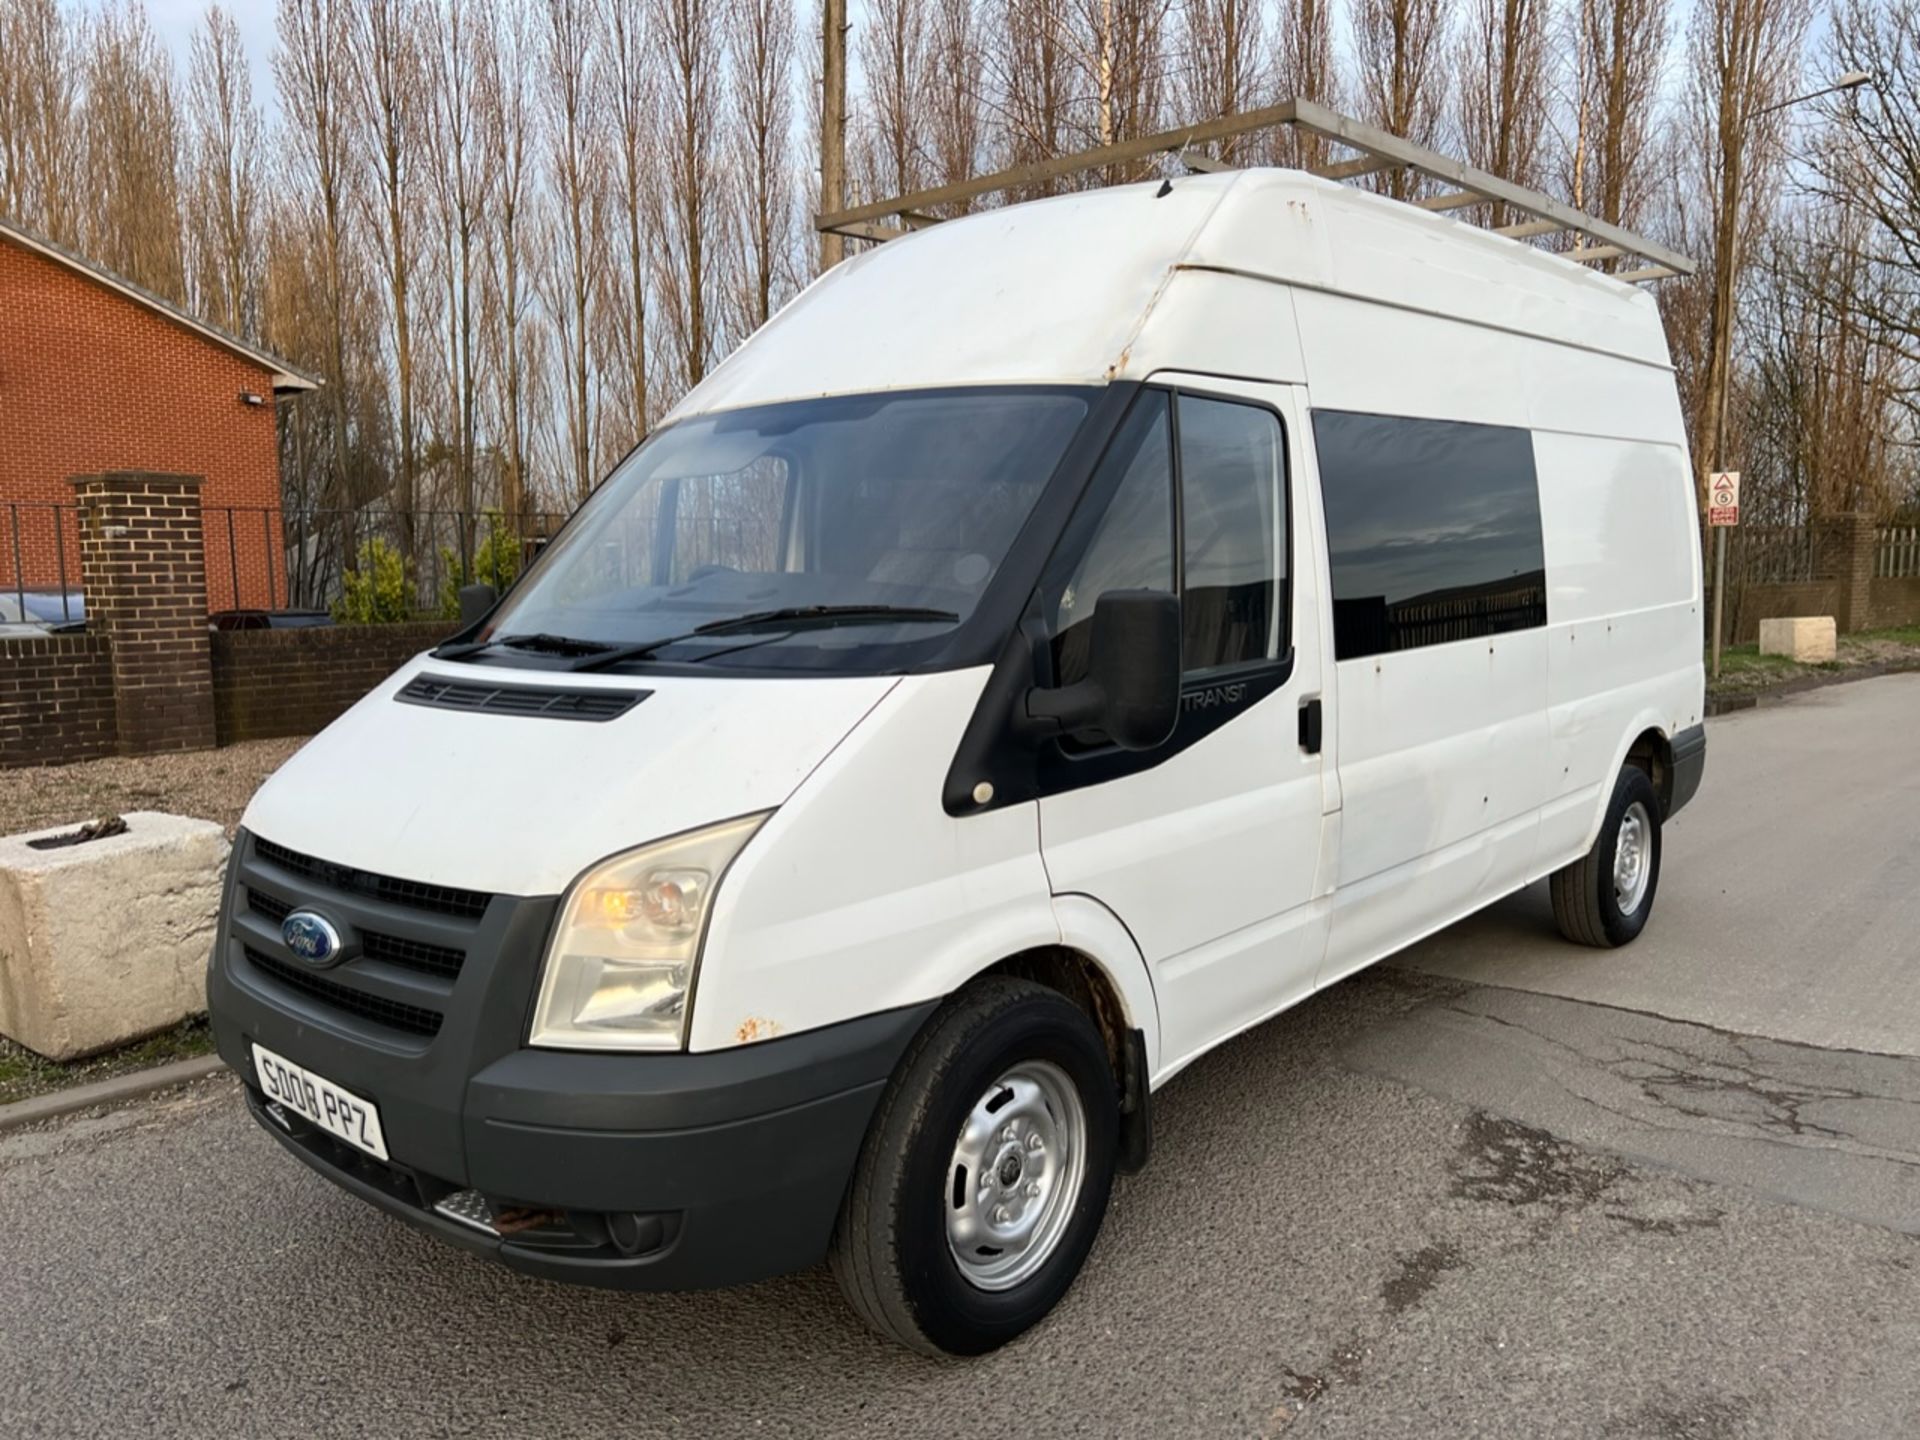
(1058, 290)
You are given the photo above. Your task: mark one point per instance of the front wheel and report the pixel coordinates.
(985, 1174)
(1604, 897)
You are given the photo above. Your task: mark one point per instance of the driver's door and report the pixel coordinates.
(1207, 848)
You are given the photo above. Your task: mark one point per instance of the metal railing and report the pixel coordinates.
(290, 558)
(1772, 554)
(1896, 555)
(40, 562)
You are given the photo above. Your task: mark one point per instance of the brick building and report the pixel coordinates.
(98, 375)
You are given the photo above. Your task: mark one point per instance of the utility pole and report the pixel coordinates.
(833, 126)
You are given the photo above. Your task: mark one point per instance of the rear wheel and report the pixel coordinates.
(985, 1174)
(1605, 897)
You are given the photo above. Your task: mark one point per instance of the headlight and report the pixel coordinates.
(619, 971)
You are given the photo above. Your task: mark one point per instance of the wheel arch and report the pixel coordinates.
(1647, 745)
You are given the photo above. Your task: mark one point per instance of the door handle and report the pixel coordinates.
(1310, 725)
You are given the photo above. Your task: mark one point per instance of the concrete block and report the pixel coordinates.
(1810, 639)
(106, 941)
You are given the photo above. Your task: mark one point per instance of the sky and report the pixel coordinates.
(175, 22)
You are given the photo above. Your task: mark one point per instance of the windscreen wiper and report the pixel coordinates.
(791, 617)
(544, 643)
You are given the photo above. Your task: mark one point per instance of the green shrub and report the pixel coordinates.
(496, 562)
(378, 590)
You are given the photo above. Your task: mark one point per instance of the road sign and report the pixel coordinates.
(1723, 498)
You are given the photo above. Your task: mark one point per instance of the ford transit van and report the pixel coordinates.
(1059, 641)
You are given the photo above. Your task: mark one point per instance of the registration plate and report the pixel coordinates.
(340, 1113)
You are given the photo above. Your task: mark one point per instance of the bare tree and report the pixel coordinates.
(1225, 69)
(1401, 46)
(392, 113)
(761, 120)
(1118, 51)
(894, 56)
(463, 176)
(1869, 161)
(312, 72)
(1827, 409)
(689, 252)
(1619, 50)
(506, 131)
(630, 81)
(133, 154)
(1033, 64)
(1743, 63)
(1502, 99)
(1305, 69)
(224, 146)
(958, 132)
(568, 73)
(40, 134)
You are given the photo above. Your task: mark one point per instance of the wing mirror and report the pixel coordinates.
(475, 602)
(1132, 690)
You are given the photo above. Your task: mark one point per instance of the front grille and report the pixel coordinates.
(394, 1014)
(441, 960)
(443, 899)
(539, 701)
(271, 906)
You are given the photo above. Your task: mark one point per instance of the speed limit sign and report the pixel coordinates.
(1723, 498)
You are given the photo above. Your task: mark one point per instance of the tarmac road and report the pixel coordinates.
(1502, 1188)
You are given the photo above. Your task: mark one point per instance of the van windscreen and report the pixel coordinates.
(838, 533)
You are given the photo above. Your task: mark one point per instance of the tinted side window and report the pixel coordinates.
(1433, 529)
(1233, 589)
(1132, 549)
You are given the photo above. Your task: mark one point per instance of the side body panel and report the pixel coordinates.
(1469, 768)
(1211, 857)
(862, 894)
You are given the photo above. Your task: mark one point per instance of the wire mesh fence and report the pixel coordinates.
(365, 564)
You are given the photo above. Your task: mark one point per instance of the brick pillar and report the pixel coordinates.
(143, 562)
(1846, 546)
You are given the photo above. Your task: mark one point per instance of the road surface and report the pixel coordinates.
(1499, 1187)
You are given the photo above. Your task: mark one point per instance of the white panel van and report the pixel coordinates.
(1059, 641)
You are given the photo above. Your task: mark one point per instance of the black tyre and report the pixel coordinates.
(984, 1176)
(1605, 896)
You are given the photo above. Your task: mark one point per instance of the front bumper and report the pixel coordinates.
(647, 1172)
(662, 1171)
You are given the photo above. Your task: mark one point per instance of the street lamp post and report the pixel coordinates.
(1726, 279)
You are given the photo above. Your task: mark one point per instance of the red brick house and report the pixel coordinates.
(97, 374)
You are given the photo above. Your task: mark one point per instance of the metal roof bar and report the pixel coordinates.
(1379, 151)
(1532, 228)
(1453, 200)
(1354, 169)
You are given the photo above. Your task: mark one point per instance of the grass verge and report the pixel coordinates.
(1745, 671)
(24, 1074)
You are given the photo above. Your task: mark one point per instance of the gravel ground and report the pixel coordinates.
(207, 784)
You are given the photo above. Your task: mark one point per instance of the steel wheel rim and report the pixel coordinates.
(1015, 1176)
(1632, 858)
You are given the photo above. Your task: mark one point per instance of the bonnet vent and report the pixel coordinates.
(531, 700)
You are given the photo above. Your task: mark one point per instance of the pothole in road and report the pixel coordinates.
(1504, 1162)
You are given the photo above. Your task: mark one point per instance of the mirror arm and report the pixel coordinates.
(1061, 711)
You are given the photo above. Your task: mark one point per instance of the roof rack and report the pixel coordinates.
(1529, 214)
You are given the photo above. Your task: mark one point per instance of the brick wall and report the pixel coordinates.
(145, 566)
(56, 700)
(292, 682)
(91, 381)
(1893, 602)
(1754, 603)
